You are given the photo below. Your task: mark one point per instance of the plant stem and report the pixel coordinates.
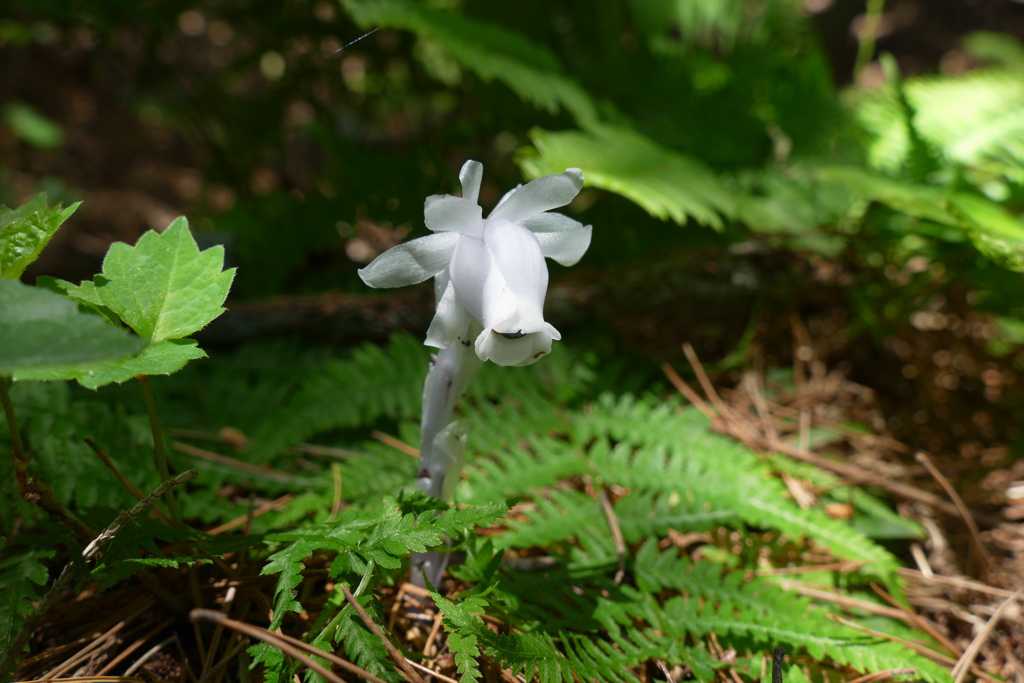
(449, 375)
(442, 440)
(158, 445)
(868, 35)
(17, 448)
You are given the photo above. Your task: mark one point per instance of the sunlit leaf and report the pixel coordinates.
(668, 185)
(25, 231)
(164, 287)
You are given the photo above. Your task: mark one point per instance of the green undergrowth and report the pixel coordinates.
(544, 440)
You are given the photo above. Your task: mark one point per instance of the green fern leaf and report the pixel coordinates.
(666, 184)
(491, 52)
(22, 578)
(993, 229)
(289, 563)
(374, 383)
(466, 631)
(975, 119)
(363, 647)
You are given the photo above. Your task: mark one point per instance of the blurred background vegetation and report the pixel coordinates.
(840, 178)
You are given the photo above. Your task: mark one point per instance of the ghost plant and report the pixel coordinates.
(490, 279)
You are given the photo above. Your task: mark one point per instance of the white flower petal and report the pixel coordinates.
(471, 175)
(446, 213)
(504, 198)
(518, 256)
(561, 238)
(411, 262)
(479, 284)
(525, 350)
(451, 319)
(540, 195)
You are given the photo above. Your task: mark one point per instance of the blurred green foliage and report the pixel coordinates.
(720, 113)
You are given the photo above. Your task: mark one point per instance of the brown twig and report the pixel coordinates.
(842, 566)
(916, 647)
(239, 521)
(139, 642)
(854, 473)
(962, 510)
(966, 662)
(389, 440)
(844, 601)
(132, 489)
(435, 628)
(293, 647)
(741, 427)
(685, 389)
(234, 463)
(613, 525)
(731, 428)
(917, 620)
(431, 672)
(955, 581)
(397, 656)
(884, 675)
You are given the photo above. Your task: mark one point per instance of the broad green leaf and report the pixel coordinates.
(25, 231)
(164, 287)
(40, 329)
(162, 358)
(665, 183)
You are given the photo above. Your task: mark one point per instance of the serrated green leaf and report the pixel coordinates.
(161, 358)
(164, 287)
(84, 294)
(40, 330)
(25, 231)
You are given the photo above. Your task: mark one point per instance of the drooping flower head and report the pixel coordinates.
(491, 271)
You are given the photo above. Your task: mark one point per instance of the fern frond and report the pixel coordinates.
(466, 631)
(374, 383)
(289, 563)
(976, 119)
(489, 51)
(22, 577)
(517, 470)
(363, 647)
(995, 231)
(557, 517)
(666, 184)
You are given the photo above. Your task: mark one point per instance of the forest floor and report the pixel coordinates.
(943, 415)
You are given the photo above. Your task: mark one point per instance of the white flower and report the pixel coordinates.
(490, 270)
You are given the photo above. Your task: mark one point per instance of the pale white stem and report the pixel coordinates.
(443, 439)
